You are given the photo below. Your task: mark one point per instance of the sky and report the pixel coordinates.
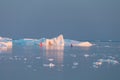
(75, 19)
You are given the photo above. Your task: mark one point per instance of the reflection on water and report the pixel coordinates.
(6, 50)
(54, 47)
(54, 57)
(34, 57)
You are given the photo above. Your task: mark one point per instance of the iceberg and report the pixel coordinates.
(54, 43)
(5, 44)
(60, 41)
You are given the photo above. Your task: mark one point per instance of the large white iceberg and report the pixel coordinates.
(54, 43)
(60, 41)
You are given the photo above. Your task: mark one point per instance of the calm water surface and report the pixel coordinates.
(100, 62)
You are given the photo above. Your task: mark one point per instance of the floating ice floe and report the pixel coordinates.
(50, 65)
(86, 55)
(38, 57)
(111, 57)
(75, 63)
(25, 59)
(97, 64)
(109, 61)
(101, 61)
(51, 59)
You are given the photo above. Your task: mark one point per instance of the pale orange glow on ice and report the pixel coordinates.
(7, 47)
(83, 44)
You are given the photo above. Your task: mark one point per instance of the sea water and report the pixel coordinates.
(99, 62)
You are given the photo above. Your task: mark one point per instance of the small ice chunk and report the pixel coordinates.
(86, 55)
(29, 66)
(73, 67)
(25, 59)
(51, 65)
(112, 61)
(45, 65)
(109, 61)
(73, 55)
(101, 60)
(16, 57)
(115, 62)
(75, 63)
(111, 57)
(97, 64)
(38, 57)
(51, 59)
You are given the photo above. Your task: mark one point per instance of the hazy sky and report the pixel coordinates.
(75, 19)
